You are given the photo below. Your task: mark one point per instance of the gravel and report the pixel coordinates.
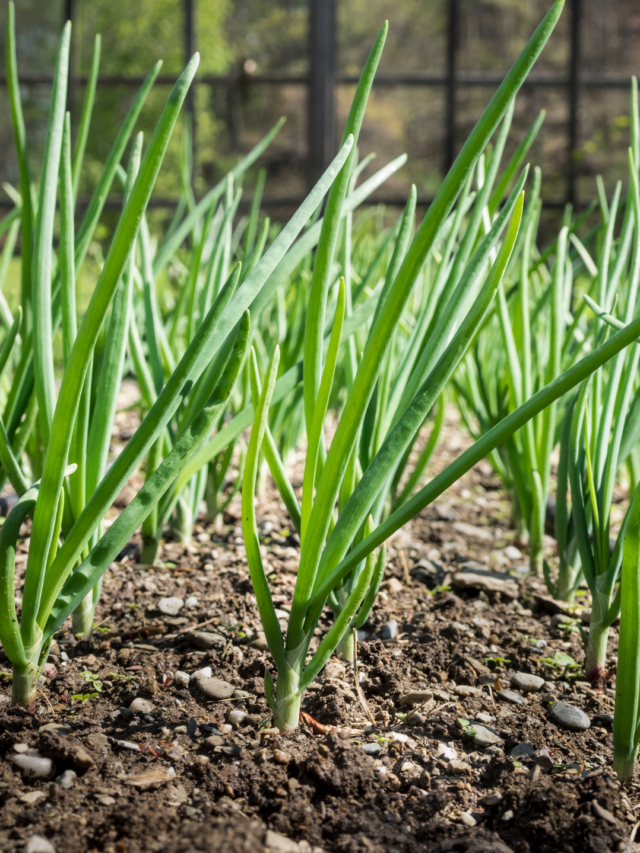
(511, 697)
(525, 681)
(215, 688)
(170, 606)
(570, 717)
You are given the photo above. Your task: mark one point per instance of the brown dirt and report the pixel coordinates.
(241, 787)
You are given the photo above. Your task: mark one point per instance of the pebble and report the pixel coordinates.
(281, 757)
(416, 697)
(390, 630)
(170, 606)
(32, 797)
(485, 736)
(485, 718)
(141, 706)
(237, 716)
(106, 800)
(373, 749)
(279, 843)
(66, 779)
(480, 534)
(393, 585)
(511, 697)
(488, 582)
(34, 765)
(191, 602)
(215, 688)
(180, 730)
(58, 728)
(468, 819)
(525, 681)
(181, 678)
(466, 690)
(206, 640)
(20, 748)
(38, 844)
(570, 717)
(205, 672)
(522, 750)
(512, 553)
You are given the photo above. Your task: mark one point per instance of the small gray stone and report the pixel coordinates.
(570, 717)
(559, 619)
(97, 740)
(511, 697)
(141, 706)
(58, 728)
(38, 844)
(526, 682)
(488, 582)
(484, 736)
(478, 534)
(416, 697)
(241, 694)
(66, 779)
(372, 749)
(170, 606)
(206, 640)
(522, 750)
(390, 630)
(467, 690)
(32, 797)
(215, 688)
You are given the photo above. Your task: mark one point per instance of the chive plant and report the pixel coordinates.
(68, 552)
(341, 551)
(626, 722)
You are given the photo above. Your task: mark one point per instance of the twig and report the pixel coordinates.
(405, 567)
(356, 674)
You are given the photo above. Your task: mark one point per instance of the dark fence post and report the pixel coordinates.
(452, 46)
(320, 90)
(189, 50)
(574, 93)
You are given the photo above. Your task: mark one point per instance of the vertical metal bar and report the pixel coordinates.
(69, 10)
(574, 93)
(320, 90)
(452, 47)
(189, 50)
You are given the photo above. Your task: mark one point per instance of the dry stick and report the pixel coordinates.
(405, 567)
(356, 674)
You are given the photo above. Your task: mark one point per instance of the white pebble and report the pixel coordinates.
(170, 606)
(512, 553)
(225, 727)
(38, 844)
(181, 678)
(20, 747)
(236, 716)
(205, 672)
(191, 602)
(34, 765)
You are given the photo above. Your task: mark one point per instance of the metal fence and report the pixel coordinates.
(322, 80)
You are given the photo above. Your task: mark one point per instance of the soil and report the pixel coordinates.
(186, 773)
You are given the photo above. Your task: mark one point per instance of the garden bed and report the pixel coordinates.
(458, 766)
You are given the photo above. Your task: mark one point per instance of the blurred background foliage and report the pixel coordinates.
(241, 39)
